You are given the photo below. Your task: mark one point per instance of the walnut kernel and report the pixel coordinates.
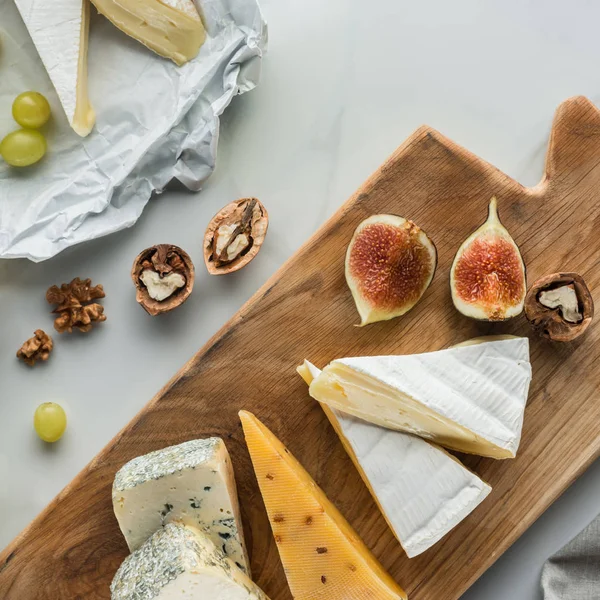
(36, 348)
(74, 305)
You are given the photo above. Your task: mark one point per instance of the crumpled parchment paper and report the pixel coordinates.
(155, 122)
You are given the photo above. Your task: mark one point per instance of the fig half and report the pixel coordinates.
(390, 263)
(488, 274)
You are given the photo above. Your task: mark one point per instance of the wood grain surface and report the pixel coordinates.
(72, 550)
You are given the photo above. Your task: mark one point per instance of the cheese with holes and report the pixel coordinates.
(181, 563)
(59, 31)
(469, 398)
(171, 28)
(422, 491)
(192, 483)
(322, 555)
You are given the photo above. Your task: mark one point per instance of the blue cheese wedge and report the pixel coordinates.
(181, 563)
(422, 491)
(192, 483)
(469, 398)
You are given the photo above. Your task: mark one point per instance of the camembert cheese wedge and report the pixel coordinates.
(59, 31)
(180, 563)
(192, 483)
(322, 555)
(171, 28)
(422, 491)
(469, 398)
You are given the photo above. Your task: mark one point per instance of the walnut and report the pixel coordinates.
(74, 305)
(560, 306)
(36, 348)
(164, 278)
(235, 235)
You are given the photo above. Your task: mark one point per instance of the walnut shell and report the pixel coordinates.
(235, 235)
(550, 322)
(165, 260)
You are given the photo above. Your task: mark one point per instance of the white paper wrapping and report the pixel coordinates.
(155, 122)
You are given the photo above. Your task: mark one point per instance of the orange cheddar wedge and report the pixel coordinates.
(323, 557)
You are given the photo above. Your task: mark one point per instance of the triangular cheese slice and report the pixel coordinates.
(59, 31)
(171, 28)
(323, 557)
(470, 398)
(422, 491)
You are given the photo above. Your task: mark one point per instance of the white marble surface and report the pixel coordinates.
(345, 82)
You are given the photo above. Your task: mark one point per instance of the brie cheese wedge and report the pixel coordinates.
(467, 398)
(422, 491)
(171, 28)
(59, 31)
(192, 483)
(180, 563)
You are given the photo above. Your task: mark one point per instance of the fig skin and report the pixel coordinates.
(390, 262)
(487, 279)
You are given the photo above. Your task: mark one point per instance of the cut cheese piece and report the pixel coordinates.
(192, 483)
(171, 28)
(422, 491)
(59, 31)
(322, 555)
(181, 563)
(468, 398)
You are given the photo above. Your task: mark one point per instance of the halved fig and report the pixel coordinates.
(487, 279)
(390, 263)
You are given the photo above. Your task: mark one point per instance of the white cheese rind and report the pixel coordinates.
(422, 491)
(468, 398)
(181, 563)
(59, 31)
(192, 483)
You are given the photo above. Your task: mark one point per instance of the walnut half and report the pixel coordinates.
(74, 305)
(36, 348)
(560, 306)
(164, 278)
(235, 235)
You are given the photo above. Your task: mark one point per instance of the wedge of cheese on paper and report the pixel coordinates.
(191, 483)
(59, 31)
(322, 555)
(469, 398)
(181, 563)
(422, 491)
(171, 28)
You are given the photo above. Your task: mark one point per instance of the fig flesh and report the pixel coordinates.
(390, 263)
(487, 278)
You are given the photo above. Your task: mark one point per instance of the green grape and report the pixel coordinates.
(50, 421)
(31, 110)
(23, 147)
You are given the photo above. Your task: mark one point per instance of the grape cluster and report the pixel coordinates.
(26, 146)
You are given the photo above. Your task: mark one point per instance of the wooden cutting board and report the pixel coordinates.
(305, 310)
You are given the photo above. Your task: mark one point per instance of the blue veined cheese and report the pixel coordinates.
(192, 483)
(422, 491)
(181, 563)
(469, 398)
